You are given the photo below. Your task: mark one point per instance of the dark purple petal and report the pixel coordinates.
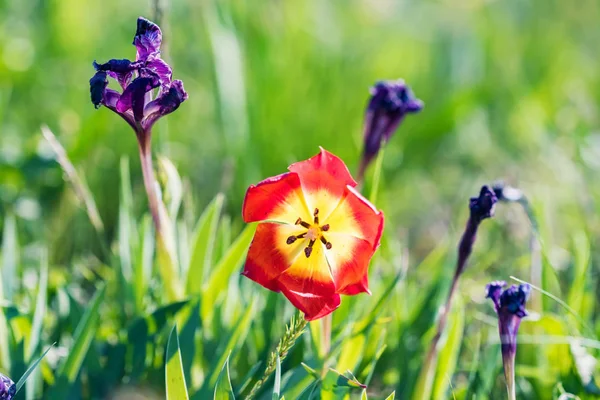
(134, 96)
(7, 388)
(166, 103)
(513, 300)
(111, 97)
(157, 66)
(98, 85)
(148, 38)
(482, 207)
(494, 291)
(120, 70)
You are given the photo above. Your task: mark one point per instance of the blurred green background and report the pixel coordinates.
(511, 91)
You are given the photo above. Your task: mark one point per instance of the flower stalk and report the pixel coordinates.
(481, 207)
(293, 331)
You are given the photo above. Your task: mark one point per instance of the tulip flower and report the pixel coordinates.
(316, 234)
(390, 101)
(510, 306)
(149, 93)
(8, 389)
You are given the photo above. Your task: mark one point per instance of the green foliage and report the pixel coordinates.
(511, 91)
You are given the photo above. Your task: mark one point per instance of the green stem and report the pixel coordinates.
(377, 174)
(292, 332)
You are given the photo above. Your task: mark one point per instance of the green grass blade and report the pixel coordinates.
(277, 385)
(174, 376)
(203, 245)
(84, 334)
(448, 356)
(237, 337)
(217, 283)
(10, 257)
(31, 368)
(223, 389)
(34, 384)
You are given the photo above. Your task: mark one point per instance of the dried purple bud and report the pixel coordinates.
(7, 388)
(98, 85)
(390, 101)
(133, 96)
(509, 304)
(482, 207)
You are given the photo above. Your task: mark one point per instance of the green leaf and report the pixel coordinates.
(237, 337)
(31, 368)
(277, 384)
(34, 384)
(217, 283)
(84, 334)
(223, 389)
(173, 192)
(10, 258)
(392, 396)
(203, 244)
(450, 345)
(174, 376)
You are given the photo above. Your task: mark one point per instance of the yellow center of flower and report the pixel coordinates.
(313, 233)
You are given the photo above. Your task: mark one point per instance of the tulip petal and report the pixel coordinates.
(308, 274)
(278, 198)
(356, 216)
(324, 178)
(313, 307)
(349, 260)
(269, 254)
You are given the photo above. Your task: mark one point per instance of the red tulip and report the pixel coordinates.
(316, 234)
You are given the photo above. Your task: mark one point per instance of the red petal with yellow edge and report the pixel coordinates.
(349, 259)
(313, 307)
(269, 254)
(309, 274)
(356, 216)
(279, 198)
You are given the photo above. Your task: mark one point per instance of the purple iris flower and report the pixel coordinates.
(390, 101)
(141, 80)
(7, 388)
(509, 304)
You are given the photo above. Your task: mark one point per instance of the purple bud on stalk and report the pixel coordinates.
(8, 389)
(480, 208)
(390, 101)
(509, 304)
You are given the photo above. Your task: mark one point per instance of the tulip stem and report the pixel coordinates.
(326, 334)
(377, 174)
(293, 331)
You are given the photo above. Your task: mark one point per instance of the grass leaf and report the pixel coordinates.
(174, 376)
(223, 388)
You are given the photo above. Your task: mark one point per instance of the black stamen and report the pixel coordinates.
(325, 228)
(298, 221)
(316, 215)
(291, 239)
(305, 224)
(309, 248)
(327, 244)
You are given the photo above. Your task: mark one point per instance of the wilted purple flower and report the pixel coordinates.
(148, 94)
(390, 101)
(7, 388)
(140, 80)
(510, 306)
